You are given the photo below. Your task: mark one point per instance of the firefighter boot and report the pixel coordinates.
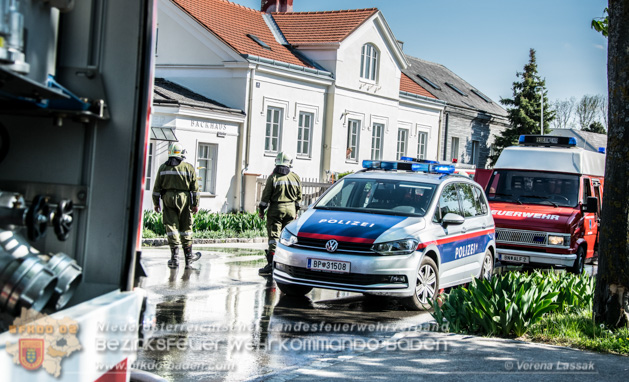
(267, 270)
(190, 257)
(173, 262)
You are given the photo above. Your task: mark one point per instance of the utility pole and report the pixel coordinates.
(541, 123)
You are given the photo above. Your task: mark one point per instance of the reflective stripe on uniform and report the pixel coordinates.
(186, 173)
(173, 233)
(187, 233)
(263, 204)
(156, 194)
(272, 241)
(285, 183)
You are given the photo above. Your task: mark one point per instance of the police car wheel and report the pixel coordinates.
(579, 262)
(426, 287)
(293, 290)
(487, 269)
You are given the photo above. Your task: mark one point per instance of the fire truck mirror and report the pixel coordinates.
(591, 205)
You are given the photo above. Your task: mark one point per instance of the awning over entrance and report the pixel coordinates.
(163, 134)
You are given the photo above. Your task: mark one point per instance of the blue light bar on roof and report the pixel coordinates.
(601, 150)
(424, 167)
(371, 163)
(410, 159)
(547, 140)
(388, 165)
(443, 169)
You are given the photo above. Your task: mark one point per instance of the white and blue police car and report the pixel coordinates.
(396, 228)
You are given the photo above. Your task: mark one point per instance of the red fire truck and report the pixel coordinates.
(75, 89)
(545, 195)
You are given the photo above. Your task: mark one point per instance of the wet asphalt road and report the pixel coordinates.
(220, 321)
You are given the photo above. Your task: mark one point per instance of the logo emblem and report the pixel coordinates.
(331, 245)
(31, 353)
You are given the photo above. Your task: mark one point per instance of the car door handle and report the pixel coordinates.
(463, 229)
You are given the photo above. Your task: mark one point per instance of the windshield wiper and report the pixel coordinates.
(541, 197)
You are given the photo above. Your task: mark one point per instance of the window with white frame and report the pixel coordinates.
(475, 152)
(353, 138)
(402, 142)
(304, 134)
(454, 149)
(377, 132)
(206, 166)
(369, 62)
(149, 167)
(422, 138)
(273, 135)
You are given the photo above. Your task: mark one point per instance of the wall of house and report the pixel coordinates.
(467, 126)
(292, 97)
(416, 118)
(193, 128)
(387, 83)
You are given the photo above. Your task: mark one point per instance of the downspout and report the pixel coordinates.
(247, 139)
(445, 137)
(328, 122)
(439, 132)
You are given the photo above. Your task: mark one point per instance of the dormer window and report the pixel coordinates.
(369, 62)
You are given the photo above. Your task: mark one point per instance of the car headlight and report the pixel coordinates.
(287, 238)
(400, 247)
(557, 240)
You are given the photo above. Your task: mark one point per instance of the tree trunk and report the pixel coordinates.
(612, 281)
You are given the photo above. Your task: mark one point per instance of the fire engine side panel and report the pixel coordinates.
(100, 55)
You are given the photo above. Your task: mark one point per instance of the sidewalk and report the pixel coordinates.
(413, 356)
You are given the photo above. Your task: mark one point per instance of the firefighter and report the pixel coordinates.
(176, 184)
(281, 196)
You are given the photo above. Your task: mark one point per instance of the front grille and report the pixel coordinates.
(521, 237)
(344, 247)
(341, 278)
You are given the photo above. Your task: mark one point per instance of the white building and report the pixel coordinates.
(325, 87)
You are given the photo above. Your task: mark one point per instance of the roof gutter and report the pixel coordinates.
(423, 98)
(285, 65)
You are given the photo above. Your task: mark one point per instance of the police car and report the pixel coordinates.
(396, 228)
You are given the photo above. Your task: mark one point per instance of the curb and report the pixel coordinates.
(160, 241)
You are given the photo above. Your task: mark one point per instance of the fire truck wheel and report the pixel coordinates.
(426, 287)
(487, 269)
(579, 262)
(294, 290)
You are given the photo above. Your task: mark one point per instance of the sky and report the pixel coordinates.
(486, 42)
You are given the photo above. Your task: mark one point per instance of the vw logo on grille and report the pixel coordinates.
(331, 245)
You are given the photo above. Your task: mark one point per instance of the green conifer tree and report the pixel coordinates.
(525, 108)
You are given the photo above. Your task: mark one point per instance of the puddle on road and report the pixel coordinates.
(224, 322)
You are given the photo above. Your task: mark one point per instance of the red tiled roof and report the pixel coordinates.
(410, 86)
(231, 23)
(320, 27)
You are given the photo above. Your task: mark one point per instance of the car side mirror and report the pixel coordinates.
(451, 218)
(591, 205)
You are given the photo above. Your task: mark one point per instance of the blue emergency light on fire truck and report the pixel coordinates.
(545, 195)
(402, 229)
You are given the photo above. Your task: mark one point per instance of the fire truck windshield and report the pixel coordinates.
(533, 187)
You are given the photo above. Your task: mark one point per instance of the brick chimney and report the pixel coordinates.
(276, 6)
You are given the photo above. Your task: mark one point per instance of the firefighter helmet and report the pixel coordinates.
(283, 159)
(176, 150)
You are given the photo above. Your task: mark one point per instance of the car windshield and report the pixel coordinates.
(533, 187)
(380, 196)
